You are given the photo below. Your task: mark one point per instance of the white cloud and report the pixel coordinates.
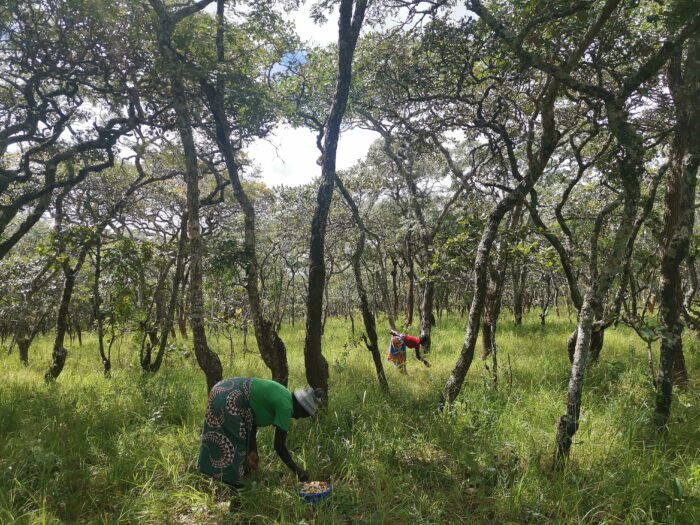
(289, 155)
(309, 31)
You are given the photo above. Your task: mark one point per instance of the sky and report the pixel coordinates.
(289, 155)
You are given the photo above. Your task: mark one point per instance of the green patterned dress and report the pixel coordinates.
(228, 424)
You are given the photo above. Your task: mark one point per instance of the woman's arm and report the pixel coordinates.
(253, 439)
(420, 358)
(285, 456)
(253, 458)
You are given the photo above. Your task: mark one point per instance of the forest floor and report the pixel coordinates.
(91, 450)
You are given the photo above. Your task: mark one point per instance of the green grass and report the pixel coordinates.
(91, 450)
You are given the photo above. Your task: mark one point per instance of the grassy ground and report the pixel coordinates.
(90, 450)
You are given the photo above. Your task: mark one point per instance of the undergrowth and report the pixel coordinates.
(122, 450)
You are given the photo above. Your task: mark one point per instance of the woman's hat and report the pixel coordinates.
(309, 398)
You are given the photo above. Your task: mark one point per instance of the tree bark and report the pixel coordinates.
(494, 291)
(691, 320)
(23, 344)
(631, 170)
(350, 22)
(679, 218)
(97, 310)
(168, 319)
(519, 279)
(394, 286)
(208, 360)
(384, 286)
(272, 348)
(507, 203)
(59, 352)
(369, 321)
(410, 271)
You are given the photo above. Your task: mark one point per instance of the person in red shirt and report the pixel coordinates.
(397, 348)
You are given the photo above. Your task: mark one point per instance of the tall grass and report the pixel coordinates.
(92, 450)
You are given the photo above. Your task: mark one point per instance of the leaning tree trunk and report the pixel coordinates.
(168, 319)
(568, 423)
(454, 382)
(367, 316)
(679, 218)
(507, 203)
(97, 310)
(150, 327)
(272, 348)
(59, 352)
(631, 169)
(494, 292)
(208, 360)
(348, 31)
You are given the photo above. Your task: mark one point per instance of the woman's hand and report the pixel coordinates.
(253, 460)
(283, 453)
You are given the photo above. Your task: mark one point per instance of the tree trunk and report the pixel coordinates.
(519, 278)
(168, 319)
(690, 319)
(97, 312)
(394, 286)
(272, 348)
(546, 300)
(59, 352)
(294, 300)
(384, 287)
(427, 320)
(348, 31)
(595, 345)
(679, 218)
(631, 169)
(494, 291)
(182, 315)
(410, 296)
(208, 360)
(23, 344)
(547, 146)
(370, 324)
(568, 424)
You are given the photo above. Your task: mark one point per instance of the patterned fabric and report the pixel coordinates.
(397, 352)
(228, 423)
